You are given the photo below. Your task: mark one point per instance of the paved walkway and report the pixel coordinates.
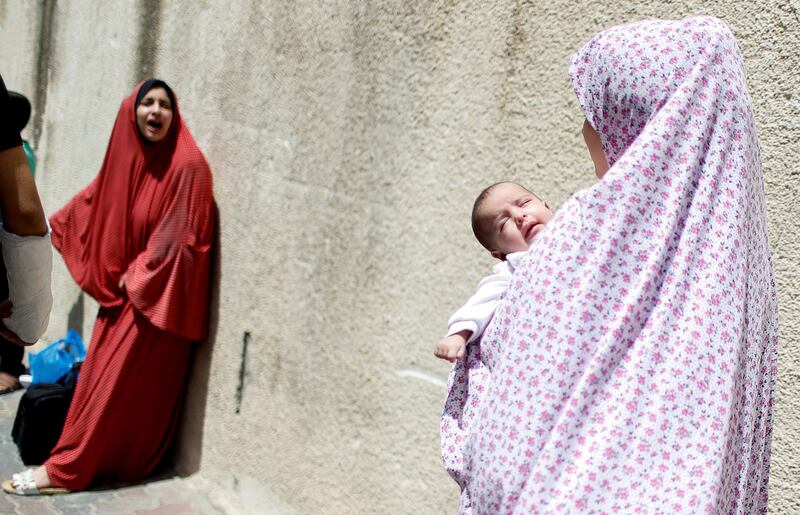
(166, 494)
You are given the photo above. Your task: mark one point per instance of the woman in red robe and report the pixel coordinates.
(138, 240)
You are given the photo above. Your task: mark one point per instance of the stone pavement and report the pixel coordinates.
(163, 494)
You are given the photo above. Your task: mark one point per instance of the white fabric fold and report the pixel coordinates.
(479, 310)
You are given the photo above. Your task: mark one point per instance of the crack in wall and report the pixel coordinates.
(148, 43)
(44, 50)
(242, 372)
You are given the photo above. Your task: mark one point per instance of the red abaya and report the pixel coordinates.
(148, 215)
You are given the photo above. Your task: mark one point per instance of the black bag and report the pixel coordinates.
(40, 417)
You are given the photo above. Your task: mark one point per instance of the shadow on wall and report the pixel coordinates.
(75, 316)
(188, 448)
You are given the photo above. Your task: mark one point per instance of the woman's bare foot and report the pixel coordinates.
(41, 477)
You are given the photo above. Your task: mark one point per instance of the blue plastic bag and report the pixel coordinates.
(55, 361)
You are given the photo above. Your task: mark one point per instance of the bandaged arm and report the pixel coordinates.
(29, 264)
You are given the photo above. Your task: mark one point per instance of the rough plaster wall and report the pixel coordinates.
(348, 140)
(19, 70)
(74, 99)
(90, 55)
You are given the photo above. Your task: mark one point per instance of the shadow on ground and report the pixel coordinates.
(188, 448)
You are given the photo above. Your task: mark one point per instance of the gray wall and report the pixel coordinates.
(347, 141)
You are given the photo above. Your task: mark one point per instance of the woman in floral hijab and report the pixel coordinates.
(631, 365)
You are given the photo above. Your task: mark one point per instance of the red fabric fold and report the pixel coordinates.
(149, 215)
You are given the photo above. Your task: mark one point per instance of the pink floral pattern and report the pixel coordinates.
(630, 367)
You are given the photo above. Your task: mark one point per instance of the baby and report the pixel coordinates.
(506, 218)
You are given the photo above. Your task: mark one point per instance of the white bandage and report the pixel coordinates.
(29, 266)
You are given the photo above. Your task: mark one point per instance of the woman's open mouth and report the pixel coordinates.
(154, 124)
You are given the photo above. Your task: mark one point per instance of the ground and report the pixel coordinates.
(163, 494)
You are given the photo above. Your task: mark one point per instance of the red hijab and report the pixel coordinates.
(149, 214)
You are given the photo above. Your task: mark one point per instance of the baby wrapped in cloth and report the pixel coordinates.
(631, 365)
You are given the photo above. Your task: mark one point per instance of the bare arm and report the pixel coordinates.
(20, 206)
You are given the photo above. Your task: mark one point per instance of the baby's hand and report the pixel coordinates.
(451, 347)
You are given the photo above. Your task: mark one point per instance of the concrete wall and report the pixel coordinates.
(348, 140)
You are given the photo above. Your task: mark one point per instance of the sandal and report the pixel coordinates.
(24, 484)
(8, 387)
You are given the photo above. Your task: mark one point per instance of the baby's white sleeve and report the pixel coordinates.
(29, 266)
(476, 314)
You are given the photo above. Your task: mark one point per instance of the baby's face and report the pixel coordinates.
(513, 217)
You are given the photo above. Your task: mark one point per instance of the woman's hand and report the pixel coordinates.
(122, 282)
